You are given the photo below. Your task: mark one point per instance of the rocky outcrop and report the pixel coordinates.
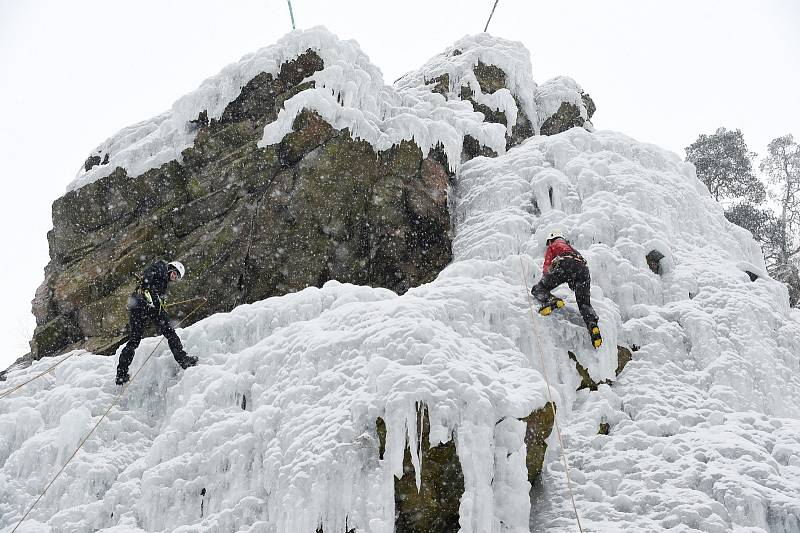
(248, 222)
(434, 506)
(538, 426)
(568, 116)
(492, 78)
(563, 105)
(251, 222)
(624, 356)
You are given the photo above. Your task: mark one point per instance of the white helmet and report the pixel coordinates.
(555, 234)
(178, 266)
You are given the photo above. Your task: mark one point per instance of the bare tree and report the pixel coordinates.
(782, 166)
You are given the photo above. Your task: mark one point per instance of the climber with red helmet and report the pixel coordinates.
(147, 303)
(563, 264)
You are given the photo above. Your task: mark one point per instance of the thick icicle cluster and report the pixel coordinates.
(349, 93)
(280, 416)
(457, 63)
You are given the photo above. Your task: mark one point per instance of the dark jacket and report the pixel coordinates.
(155, 279)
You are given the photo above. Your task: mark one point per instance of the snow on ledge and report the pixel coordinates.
(552, 93)
(458, 62)
(349, 93)
(151, 143)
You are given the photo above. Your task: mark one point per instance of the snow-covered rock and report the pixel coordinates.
(269, 150)
(275, 430)
(562, 105)
(349, 92)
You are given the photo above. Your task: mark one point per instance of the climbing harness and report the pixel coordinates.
(490, 16)
(550, 397)
(575, 256)
(113, 403)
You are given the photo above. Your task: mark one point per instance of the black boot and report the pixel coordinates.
(186, 361)
(594, 334)
(122, 376)
(550, 306)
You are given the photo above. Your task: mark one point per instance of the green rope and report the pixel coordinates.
(490, 16)
(291, 13)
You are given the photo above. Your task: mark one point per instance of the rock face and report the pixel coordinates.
(434, 507)
(249, 223)
(624, 356)
(491, 79)
(252, 222)
(563, 105)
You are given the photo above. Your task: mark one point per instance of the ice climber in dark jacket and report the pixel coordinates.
(147, 303)
(563, 264)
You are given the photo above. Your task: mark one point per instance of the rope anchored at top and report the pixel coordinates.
(291, 13)
(490, 16)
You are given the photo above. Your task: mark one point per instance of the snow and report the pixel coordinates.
(458, 62)
(317, 367)
(552, 93)
(349, 92)
(275, 430)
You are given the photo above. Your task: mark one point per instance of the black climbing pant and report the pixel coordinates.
(575, 273)
(138, 316)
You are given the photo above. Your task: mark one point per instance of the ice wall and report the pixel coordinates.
(274, 430)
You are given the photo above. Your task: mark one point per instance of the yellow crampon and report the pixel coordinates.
(596, 339)
(547, 309)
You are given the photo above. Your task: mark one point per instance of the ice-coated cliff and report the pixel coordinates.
(276, 429)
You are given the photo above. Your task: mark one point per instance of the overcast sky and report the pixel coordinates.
(73, 73)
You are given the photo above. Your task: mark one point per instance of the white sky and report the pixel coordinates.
(73, 73)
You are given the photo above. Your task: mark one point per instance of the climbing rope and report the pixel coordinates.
(9, 391)
(291, 13)
(113, 403)
(186, 302)
(550, 396)
(490, 16)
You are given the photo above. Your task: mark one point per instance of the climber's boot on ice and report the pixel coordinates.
(186, 361)
(594, 333)
(552, 305)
